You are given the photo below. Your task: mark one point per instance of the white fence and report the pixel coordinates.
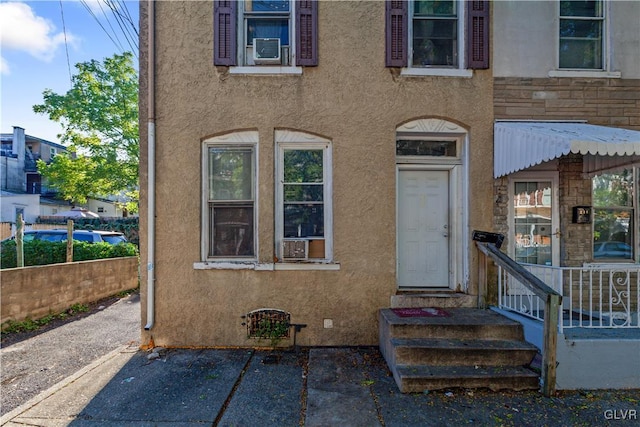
(597, 296)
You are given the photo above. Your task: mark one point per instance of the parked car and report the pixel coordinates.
(612, 250)
(60, 235)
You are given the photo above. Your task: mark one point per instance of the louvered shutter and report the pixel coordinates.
(477, 34)
(224, 30)
(307, 33)
(396, 17)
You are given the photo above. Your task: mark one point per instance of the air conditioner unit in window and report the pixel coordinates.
(266, 51)
(295, 249)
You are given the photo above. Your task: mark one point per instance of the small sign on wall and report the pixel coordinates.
(582, 214)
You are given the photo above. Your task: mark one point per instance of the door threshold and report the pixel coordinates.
(423, 291)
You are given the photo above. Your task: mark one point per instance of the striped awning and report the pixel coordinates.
(521, 145)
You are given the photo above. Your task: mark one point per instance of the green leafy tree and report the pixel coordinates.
(99, 117)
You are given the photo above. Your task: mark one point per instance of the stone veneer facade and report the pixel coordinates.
(599, 101)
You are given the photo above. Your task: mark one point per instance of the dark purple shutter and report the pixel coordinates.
(478, 34)
(224, 30)
(396, 17)
(307, 33)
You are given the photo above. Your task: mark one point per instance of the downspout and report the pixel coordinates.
(151, 171)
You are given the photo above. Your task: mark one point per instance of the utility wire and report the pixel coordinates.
(133, 25)
(123, 20)
(66, 45)
(84, 3)
(110, 26)
(122, 24)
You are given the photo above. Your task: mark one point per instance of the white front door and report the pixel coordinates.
(423, 229)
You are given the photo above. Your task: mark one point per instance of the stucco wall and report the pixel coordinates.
(13, 177)
(598, 363)
(30, 203)
(34, 292)
(350, 99)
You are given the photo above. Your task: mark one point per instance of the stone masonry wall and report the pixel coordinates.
(576, 243)
(606, 102)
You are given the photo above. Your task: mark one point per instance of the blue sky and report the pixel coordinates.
(34, 47)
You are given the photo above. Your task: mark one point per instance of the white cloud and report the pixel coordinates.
(22, 30)
(4, 66)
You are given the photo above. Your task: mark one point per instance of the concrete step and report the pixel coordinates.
(470, 352)
(444, 299)
(462, 323)
(417, 379)
(457, 347)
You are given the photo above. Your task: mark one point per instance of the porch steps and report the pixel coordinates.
(468, 348)
(442, 299)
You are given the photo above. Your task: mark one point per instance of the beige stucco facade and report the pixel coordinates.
(350, 99)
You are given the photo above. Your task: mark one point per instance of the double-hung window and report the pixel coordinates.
(265, 33)
(615, 216)
(435, 29)
(229, 176)
(303, 197)
(581, 35)
(451, 34)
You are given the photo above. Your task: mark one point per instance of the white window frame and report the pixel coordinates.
(605, 72)
(439, 70)
(292, 140)
(244, 57)
(243, 139)
(635, 214)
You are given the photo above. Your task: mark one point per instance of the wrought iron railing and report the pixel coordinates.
(593, 296)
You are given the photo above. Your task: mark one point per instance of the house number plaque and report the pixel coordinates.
(582, 214)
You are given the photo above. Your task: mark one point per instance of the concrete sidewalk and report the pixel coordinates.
(311, 387)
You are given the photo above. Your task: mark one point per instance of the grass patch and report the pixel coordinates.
(29, 325)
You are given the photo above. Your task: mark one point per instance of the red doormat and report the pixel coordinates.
(420, 312)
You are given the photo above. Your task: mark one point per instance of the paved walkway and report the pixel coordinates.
(38, 363)
(311, 387)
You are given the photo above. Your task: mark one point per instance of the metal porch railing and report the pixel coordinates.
(593, 296)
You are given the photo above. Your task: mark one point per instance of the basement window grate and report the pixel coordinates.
(268, 323)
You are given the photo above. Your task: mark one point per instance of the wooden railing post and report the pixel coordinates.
(482, 280)
(69, 240)
(552, 301)
(551, 314)
(20, 241)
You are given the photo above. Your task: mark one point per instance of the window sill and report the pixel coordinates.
(291, 266)
(225, 265)
(445, 72)
(301, 266)
(586, 73)
(266, 70)
(612, 264)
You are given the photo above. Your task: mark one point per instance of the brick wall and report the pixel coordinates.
(607, 102)
(576, 244)
(34, 292)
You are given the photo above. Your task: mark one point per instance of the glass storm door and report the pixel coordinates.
(536, 236)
